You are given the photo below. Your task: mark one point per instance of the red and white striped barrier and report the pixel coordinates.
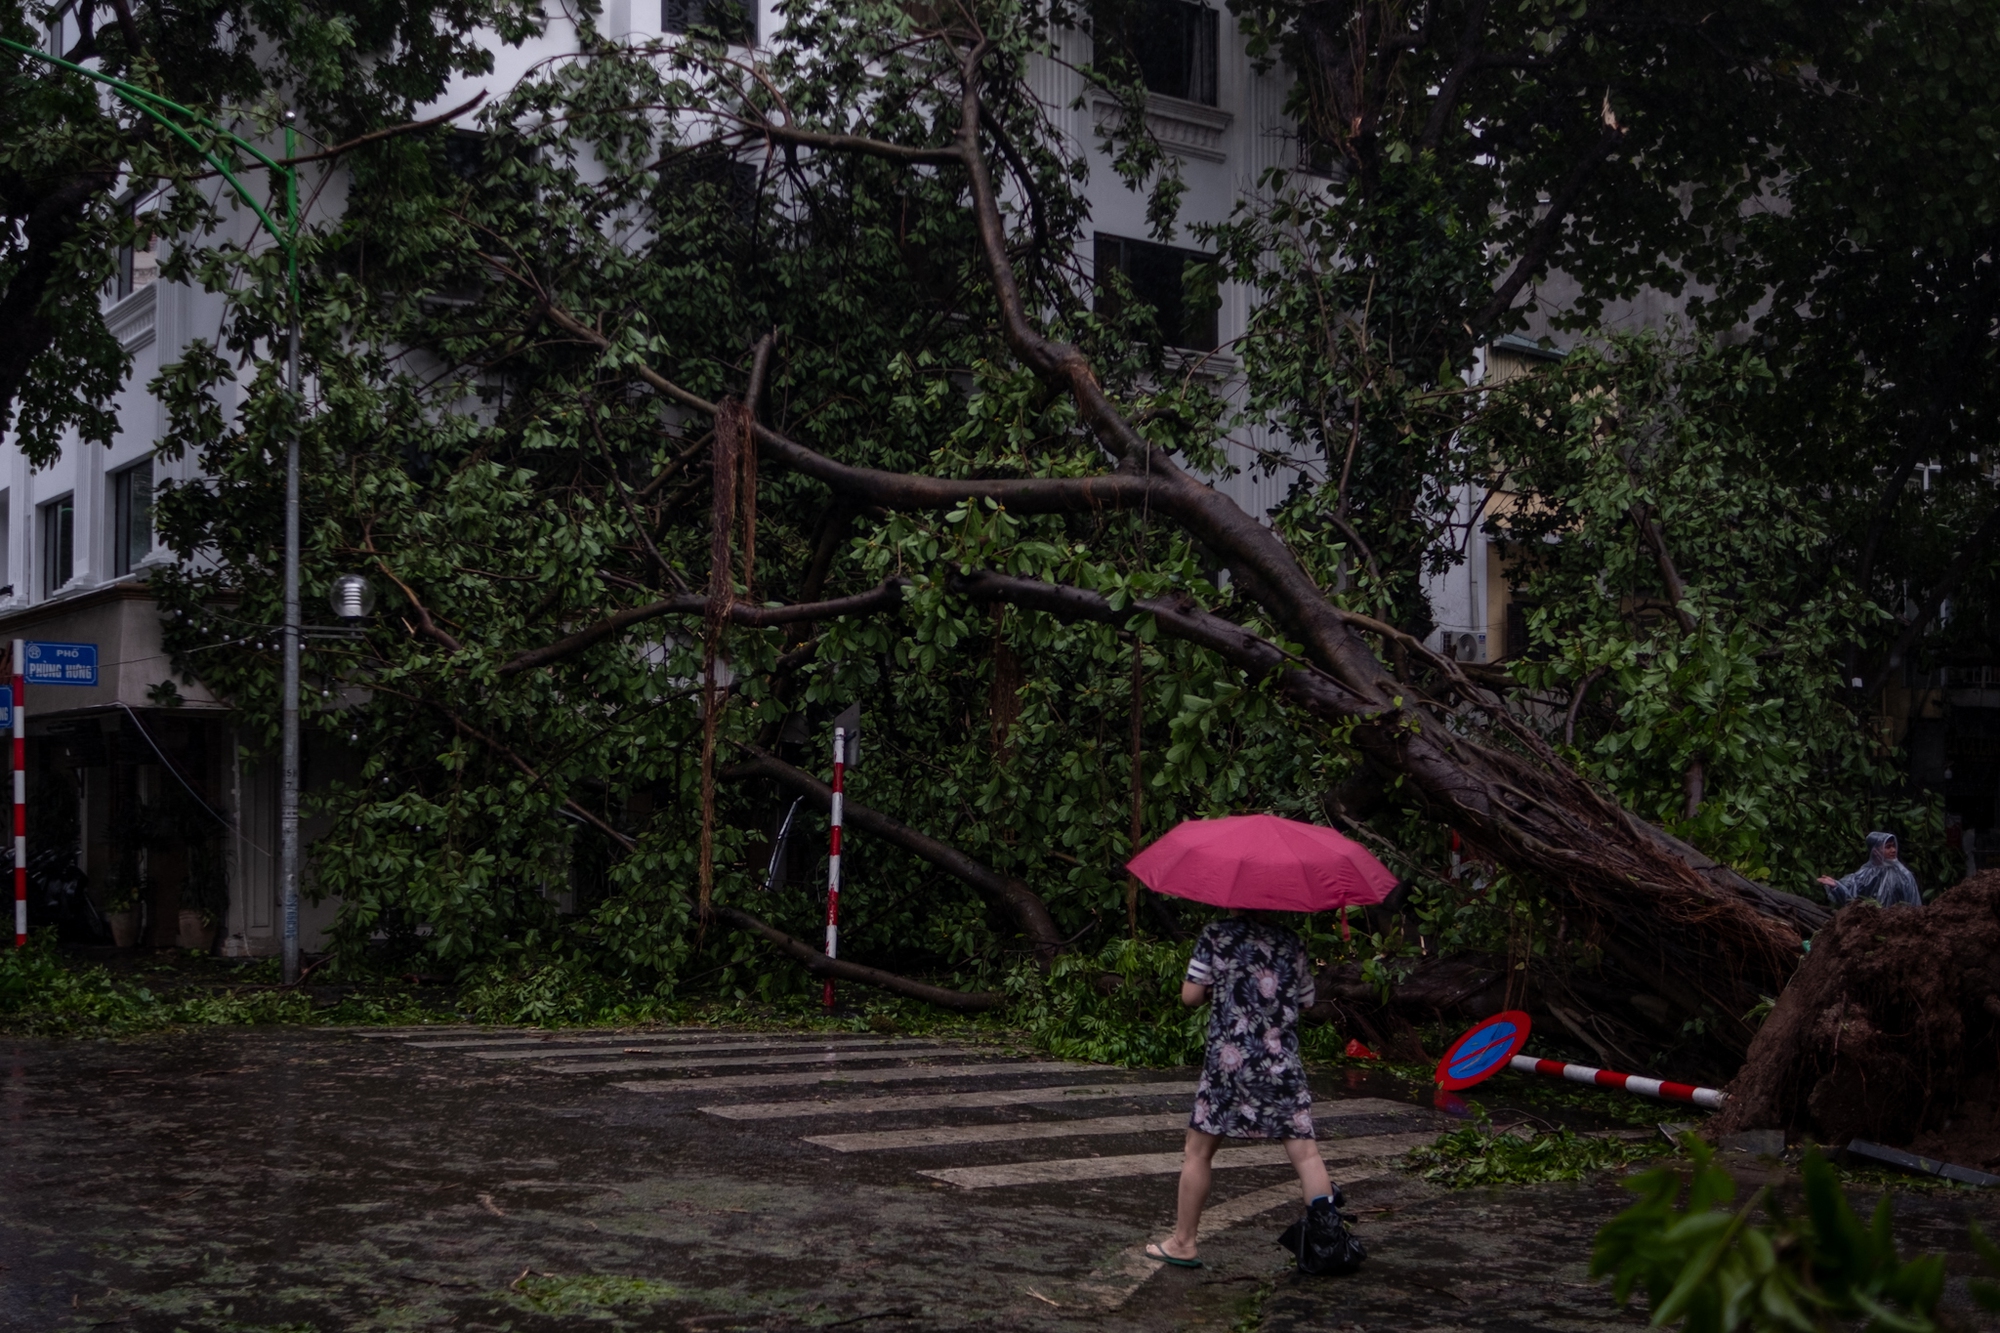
(833, 859)
(1604, 1078)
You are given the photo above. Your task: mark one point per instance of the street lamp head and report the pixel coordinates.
(351, 597)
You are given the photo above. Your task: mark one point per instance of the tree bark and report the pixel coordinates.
(1022, 903)
(821, 966)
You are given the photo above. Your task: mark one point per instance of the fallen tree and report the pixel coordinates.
(876, 387)
(1707, 939)
(1889, 1032)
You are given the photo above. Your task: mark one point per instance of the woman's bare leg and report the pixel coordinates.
(1197, 1166)
(1306, 1160)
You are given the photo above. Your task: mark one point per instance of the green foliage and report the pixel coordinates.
(586, 1294)
(43, 994)
(1718, 1271)
(1742, 675)
(73, 160)
(1121, 1005)
(1476, 1155)
(509, 485)
(507, 490)
(552, 993)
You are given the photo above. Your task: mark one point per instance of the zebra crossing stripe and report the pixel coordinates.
(691, 1055)
(1015, 1131)
(369, 1032)
(824, 1054)
(575, 1039)
(678, 1037)
(1332, 1113)
(904, 1075)
(1066, 1169)
(1062, 1092)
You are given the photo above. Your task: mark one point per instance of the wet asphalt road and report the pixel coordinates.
(296, 1180)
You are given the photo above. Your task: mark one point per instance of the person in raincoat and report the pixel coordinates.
(1885, 878)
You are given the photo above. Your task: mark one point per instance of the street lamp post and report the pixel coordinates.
(164, 112)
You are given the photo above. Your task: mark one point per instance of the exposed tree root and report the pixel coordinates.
(1890, 1031)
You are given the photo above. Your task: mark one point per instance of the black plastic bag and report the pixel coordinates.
(1321, 1242)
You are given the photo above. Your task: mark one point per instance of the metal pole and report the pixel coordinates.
(288, 760)
(833, 861)
(20, 711)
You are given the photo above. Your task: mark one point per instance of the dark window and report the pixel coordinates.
(1517, 631)
(1157, 275)
(131, 517)
(470, 156)
(139, 262)
(693, 183)
(465, 154)
(1173, 43)
(58, 544)
(733, 21)
(1317, 157)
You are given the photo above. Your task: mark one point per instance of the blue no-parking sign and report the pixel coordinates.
(60, 663)
(1484, 1051)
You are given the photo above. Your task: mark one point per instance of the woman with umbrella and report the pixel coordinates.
(1257, 979)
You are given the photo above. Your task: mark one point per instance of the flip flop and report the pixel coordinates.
(1158, 1254)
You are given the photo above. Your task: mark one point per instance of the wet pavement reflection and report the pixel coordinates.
(242, 1179)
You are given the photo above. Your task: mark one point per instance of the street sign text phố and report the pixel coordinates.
(61, 663)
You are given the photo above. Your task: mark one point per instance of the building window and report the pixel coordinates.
(1172, 43)
(1157, 276)
(131, 517)
(6, 544)
(1317, 157)
(734, 21)
(696, 182)
(139, 263)
(58, 544)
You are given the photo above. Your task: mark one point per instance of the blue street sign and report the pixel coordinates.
(1483, 1051)
(6, 707)
(61, 663)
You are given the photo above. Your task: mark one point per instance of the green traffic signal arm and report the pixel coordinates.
(155, 107)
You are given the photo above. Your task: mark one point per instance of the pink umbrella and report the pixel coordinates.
(1264, 863)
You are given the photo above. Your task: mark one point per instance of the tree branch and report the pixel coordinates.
(1030, 913)
(888, 594)
(1447, 95)
(815, 961)
(854, 143)
(376, 136)
(820, 965)
(1542, 240)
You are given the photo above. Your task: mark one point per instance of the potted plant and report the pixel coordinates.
(122, 909)
(204, 890)
(181, 828)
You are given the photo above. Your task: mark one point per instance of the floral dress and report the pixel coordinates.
(1253, 1084)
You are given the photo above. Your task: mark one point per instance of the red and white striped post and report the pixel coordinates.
(833, 860)
(20, 711)
(1711, 1098)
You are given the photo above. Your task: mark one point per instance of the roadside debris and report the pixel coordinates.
(1923, 1166)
